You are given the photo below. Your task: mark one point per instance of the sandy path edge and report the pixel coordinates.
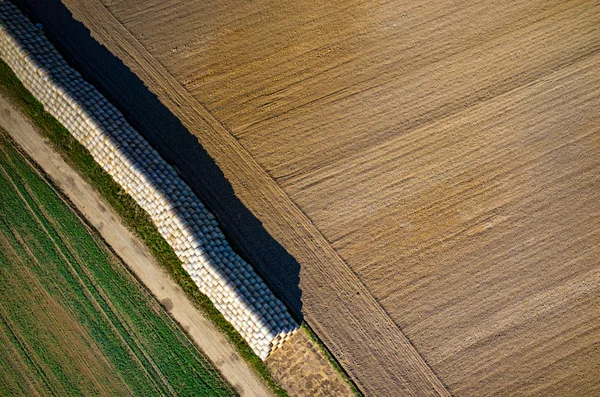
(133, 252)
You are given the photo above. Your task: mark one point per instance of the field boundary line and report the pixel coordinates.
(402, 367)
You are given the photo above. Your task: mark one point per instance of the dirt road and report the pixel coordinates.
(133, 253)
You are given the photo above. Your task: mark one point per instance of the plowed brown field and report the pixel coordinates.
(433, 166)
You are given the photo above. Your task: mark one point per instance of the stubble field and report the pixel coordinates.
(433, 167)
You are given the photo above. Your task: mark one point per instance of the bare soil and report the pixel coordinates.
(433, 167)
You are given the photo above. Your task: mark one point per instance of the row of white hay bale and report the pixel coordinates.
(191, 230)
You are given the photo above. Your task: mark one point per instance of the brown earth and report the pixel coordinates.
(433, 167)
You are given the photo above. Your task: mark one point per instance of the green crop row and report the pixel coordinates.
(148, 349)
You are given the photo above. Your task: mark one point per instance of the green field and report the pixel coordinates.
(73, 320)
